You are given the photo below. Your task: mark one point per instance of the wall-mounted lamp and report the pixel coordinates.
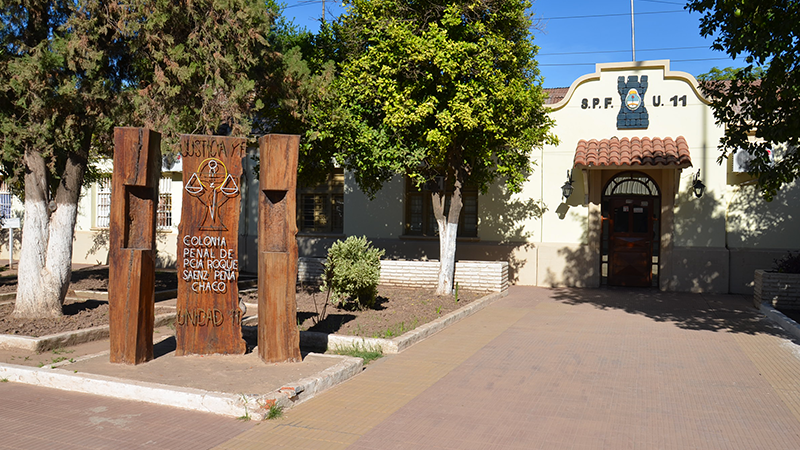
(566, 189)
(697, 185)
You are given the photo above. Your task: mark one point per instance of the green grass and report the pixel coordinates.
(61, 351)
(275, 412)
(246, 417)
(367, 353)
(3, 380)
(397, 330)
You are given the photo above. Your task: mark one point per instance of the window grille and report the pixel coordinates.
(421, 221)
(164, 214)
(103, 216)
(321, 207)
(5, 201)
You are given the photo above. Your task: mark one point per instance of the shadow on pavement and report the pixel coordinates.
(710, 312)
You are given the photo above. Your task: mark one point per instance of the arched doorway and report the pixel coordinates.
(631, 207)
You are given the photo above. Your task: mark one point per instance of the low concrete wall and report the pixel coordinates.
(566, 264)
(745, 261)
(698, 269)
(470, 275)
(781, 290)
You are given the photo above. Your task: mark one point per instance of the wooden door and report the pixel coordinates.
(630, 241)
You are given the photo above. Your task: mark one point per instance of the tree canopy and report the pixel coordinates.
(761, 99)
(728, 73)
(202, 67)
(445, 88)
(445, 92)
(71, 71)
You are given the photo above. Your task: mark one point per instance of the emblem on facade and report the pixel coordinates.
(213, 186)
(633, 113)
(633, 101)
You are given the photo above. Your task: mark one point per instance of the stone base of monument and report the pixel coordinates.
(208, 383)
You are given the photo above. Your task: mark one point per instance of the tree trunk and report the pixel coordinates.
(448, 230)
(45, 263)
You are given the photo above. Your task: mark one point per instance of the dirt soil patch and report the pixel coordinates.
(93, 278)
(396, 310)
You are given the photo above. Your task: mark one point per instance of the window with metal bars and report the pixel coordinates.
(420, 220)
(5, 201)
(321, 207)
(103, 203)
(164, 212)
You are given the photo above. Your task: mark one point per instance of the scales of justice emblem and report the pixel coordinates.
(213, 186)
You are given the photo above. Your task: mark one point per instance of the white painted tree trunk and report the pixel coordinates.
(448, 230)
(45, 263)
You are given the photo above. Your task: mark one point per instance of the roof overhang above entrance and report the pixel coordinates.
(646, 152)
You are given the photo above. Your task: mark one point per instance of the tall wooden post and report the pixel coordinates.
(132, 244)
(208, 318)
(278, 337)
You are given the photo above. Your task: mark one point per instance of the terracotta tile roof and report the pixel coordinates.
(633, 152)
(555, 95)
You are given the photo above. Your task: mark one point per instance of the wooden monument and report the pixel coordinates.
(278, 337)
(132, 244)
(208, 318)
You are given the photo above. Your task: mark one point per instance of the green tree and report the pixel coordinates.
(201, 66)
(728, 73)
(305, 98)
(61, 70)
(762, 97)
(71, 71)
(446, 92)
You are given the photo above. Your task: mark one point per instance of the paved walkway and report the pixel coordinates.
(540, 369)
(37, 418)
(568, 369)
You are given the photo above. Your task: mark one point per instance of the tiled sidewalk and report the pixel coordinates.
(568, 369)
(33, 418)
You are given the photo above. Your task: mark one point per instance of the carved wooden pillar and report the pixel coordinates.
(208, 318)
(278, 337)
(132, 244)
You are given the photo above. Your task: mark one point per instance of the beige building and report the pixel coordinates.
(635, 139)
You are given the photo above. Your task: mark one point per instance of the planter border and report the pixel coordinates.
(781, 290)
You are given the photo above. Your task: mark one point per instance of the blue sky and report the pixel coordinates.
(571, 43)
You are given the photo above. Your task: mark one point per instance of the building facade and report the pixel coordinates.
(636, 141)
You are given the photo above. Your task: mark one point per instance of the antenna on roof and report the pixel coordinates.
(633, 35)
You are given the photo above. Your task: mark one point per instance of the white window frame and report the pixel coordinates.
(164, 211)
(102, 216)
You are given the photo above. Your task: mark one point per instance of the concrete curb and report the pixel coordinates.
(781, 319)
(255, 406)
(306, 388)
(67, 338)
(392, 346)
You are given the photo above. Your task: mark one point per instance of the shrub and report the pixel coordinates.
(788, 264)
(352, 272)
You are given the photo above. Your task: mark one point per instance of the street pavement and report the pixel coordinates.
(539, 369)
